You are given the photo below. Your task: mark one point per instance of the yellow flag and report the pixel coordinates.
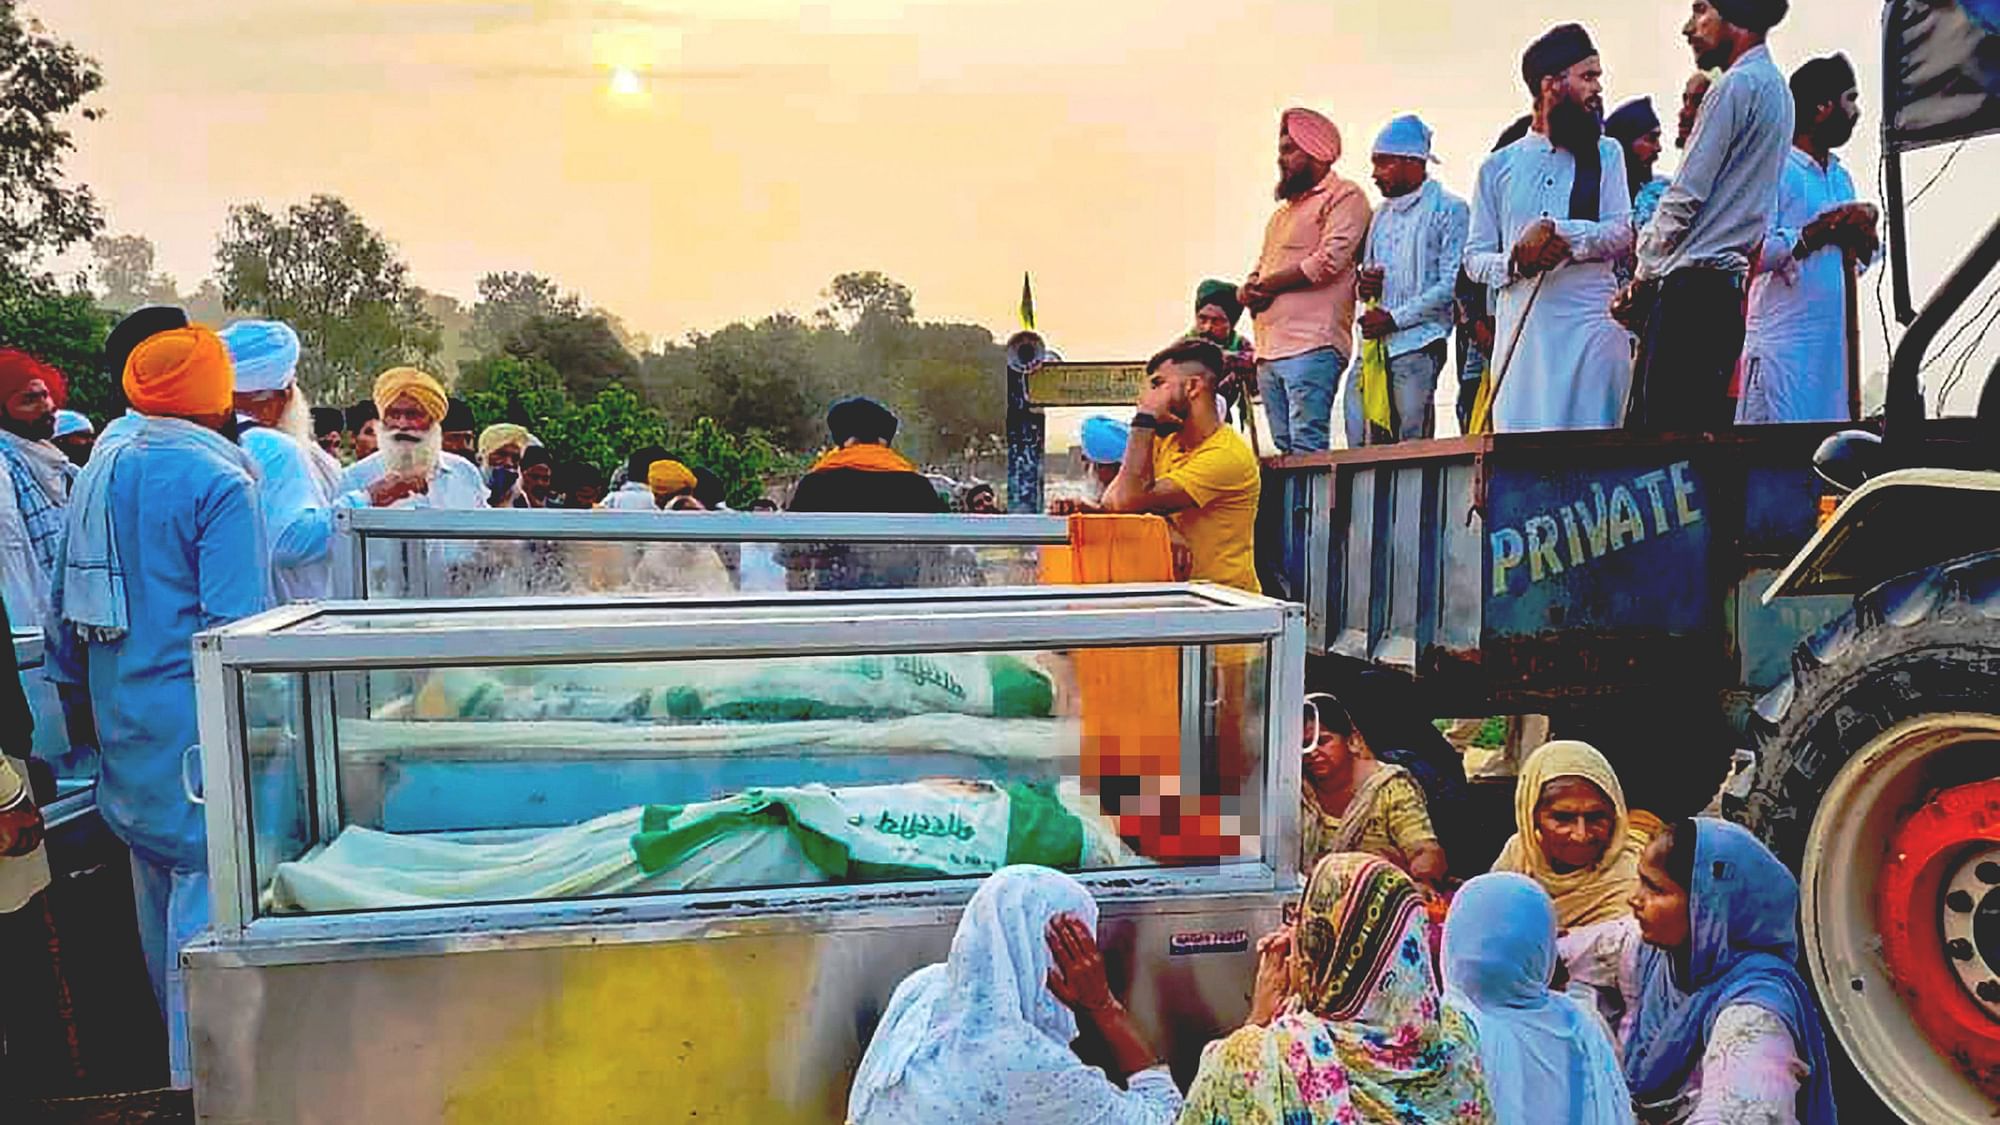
(1027, 303)
(1481, 421)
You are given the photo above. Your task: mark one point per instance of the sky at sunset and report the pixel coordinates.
(1119, 150)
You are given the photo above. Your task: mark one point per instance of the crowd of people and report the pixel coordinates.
(1609, 965)
(1584, 291)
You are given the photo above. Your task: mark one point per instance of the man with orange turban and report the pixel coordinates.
(410, 469)
(164, 538)
(1301, 293)
(35, 480)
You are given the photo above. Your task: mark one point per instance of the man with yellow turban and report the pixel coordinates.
(500, 448)
(164, 538)
(410, 469)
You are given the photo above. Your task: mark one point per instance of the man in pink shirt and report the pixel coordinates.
(1302, 291)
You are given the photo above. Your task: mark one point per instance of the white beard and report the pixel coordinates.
(405, 453)
(296, 422)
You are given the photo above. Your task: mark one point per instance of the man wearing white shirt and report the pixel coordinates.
(1409, 266)
(1795, 353)
(411, 469)
(274, 423)
(1696, 252)
(1550, 219)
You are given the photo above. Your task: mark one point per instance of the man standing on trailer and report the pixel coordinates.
(163, 540)
(1695, 254)
(1550, 219)
(1301, 295)
(1796, 364)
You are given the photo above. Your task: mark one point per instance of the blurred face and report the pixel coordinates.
(1398, 175)
(366, 438)
(1660, 904)
(1691, 95)
(77, 447)
(586, 495)
(407, 416)
(31, 411)
(1573, 823)
(1297, 170)
(1647, 148)
(536, 480)
(1707, 35)
(982, 502)
(1185, 382)
(1329, 759)
(1212, 323)
(330, 442)
(1837, 120)
(264, 406)
(505, 457)
(462, 442)
(1581, 85)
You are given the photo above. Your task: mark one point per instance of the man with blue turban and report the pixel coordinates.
(294, 490)
(1103, 439)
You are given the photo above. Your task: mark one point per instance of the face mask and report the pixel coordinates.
(500, 478)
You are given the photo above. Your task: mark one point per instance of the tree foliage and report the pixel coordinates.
(43, 81)
(335, 280)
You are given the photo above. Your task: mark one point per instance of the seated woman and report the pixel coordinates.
(1346, 1021)
(1548, 1059)
(985, 1036)
(1572, 835)
(1354, 803)
(1724, 1028)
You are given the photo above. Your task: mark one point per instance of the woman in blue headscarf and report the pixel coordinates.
(1725, 1029)
(1548, 1057)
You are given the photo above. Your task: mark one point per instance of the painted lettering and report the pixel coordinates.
(1651, 482)
(1684, 493)
(1542, 547)
(1627, 525)
(1595, 525)
(1576, 555)
(1508, 550)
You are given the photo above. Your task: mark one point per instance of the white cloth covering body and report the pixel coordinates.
(1795, 349)
(1572, 366)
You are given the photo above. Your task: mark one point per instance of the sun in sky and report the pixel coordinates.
(626, 83)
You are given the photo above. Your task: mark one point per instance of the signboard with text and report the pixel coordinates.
(1086, 384)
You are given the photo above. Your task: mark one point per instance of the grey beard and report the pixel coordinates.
(296, 422)
(405, 454)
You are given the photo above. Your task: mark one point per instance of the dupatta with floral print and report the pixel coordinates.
(1368, 1038)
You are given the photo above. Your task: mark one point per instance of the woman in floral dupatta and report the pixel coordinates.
(1348, 1024)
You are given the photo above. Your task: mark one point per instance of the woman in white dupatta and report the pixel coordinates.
(1548, 1057)
(984, 1038)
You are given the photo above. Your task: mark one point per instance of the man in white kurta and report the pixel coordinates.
(1795, 351)
(1563, 364)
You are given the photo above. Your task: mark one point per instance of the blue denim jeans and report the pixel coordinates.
(1298, 398)
(1413, 380)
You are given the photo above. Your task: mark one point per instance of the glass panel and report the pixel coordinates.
(277, 748)
(480, 785)
(339, 619)
(461, 568)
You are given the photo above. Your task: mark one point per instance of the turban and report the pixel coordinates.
(1560, 48)
(137, 325)
(184, 373)
(1104, 439)
(360, 414)
(1631, 121)
(861, 419)
(420, 385)
(328, 420)
(1405, 136)
(1753, 15)
(501, 435)
(457, 416)
(18, 369)
(1222, 295)
(70, 422)
(1819, 81)
(536, 455)
(265, 354)
(1314, 133)
(666, 478)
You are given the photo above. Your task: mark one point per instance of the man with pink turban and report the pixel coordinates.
(1301, 293)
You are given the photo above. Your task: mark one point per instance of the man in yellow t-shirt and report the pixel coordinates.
(1183, 463)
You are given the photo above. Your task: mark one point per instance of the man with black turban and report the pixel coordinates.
(1216, 313)
(1695, 254)
(861, 473)
(1550, 216)
(1795, 351)
(328, 422)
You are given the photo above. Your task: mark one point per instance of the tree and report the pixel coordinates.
(336, 281)
(63, 329)
(856, 298)
(124, 268)
(43, 80)
(508, 301)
